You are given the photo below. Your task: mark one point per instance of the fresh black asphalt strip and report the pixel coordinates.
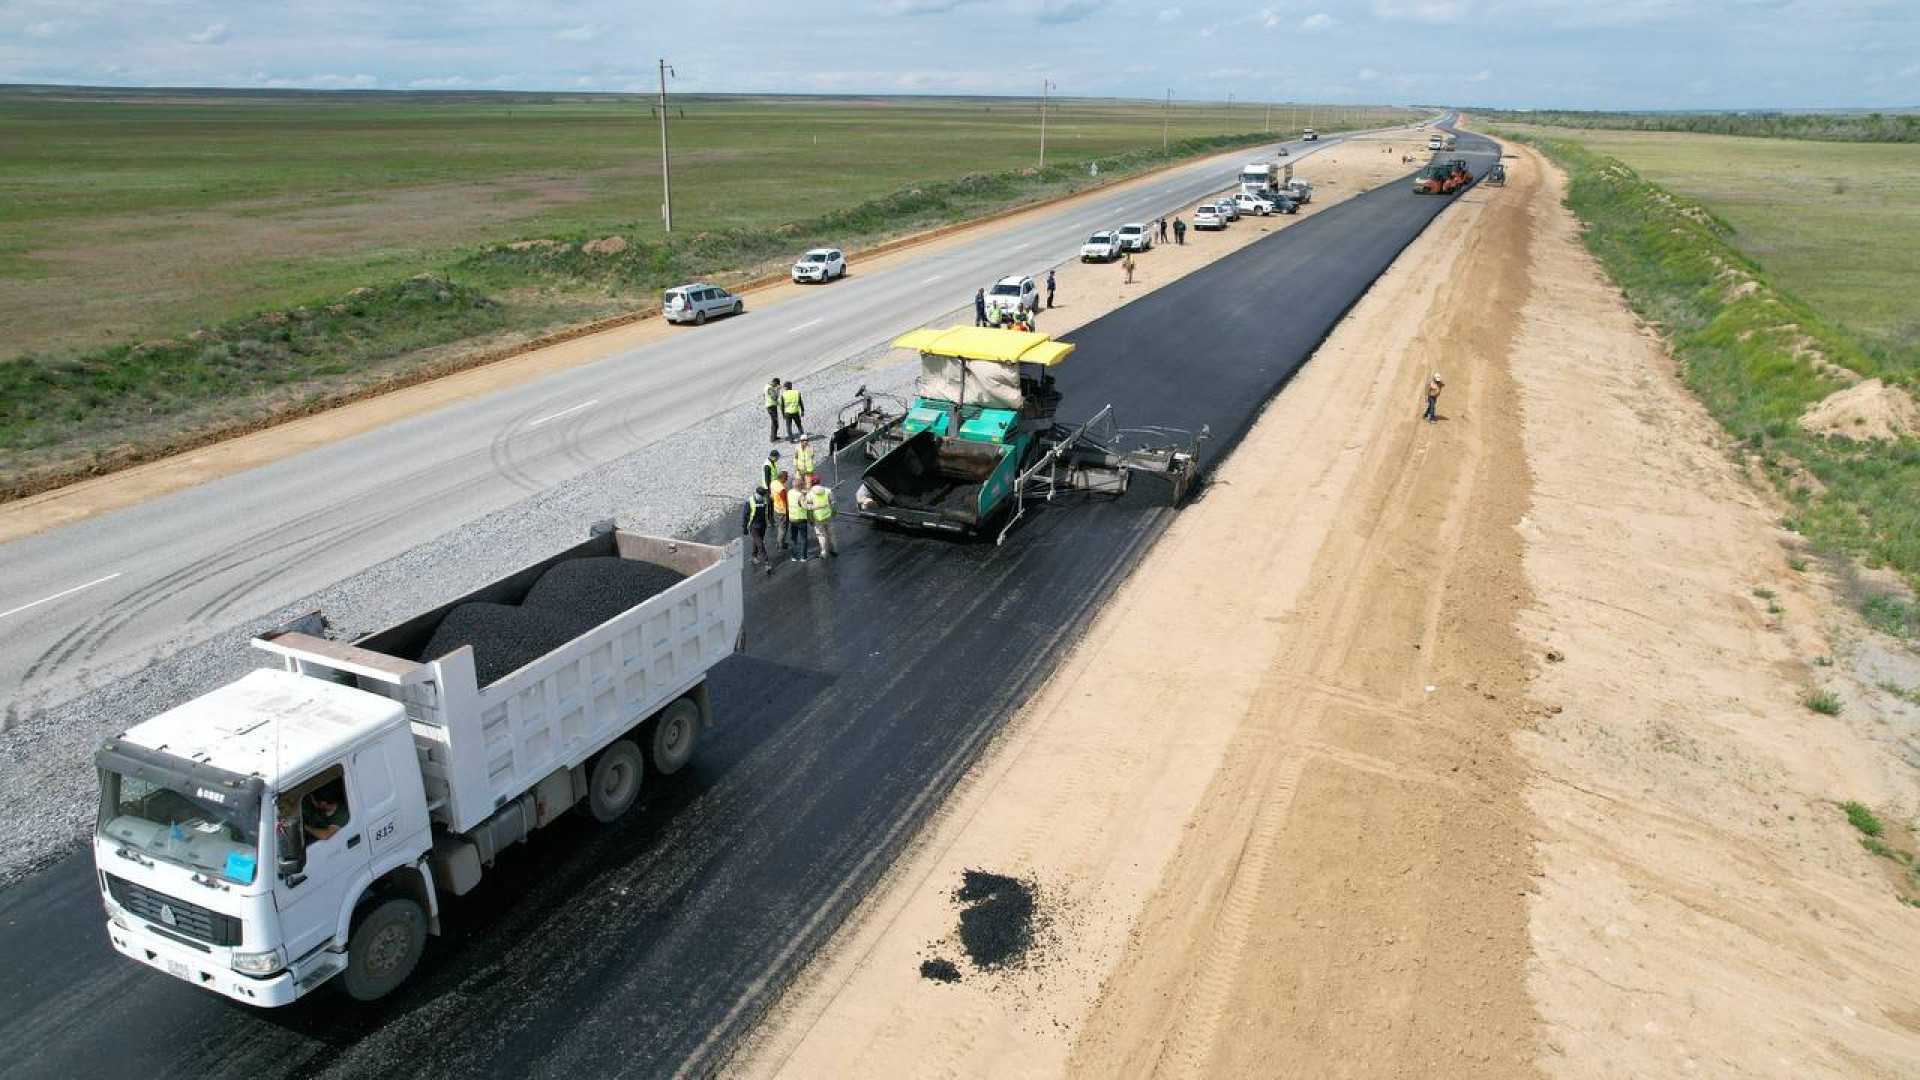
(869, 684)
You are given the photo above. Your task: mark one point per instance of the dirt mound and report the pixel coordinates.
(610, 245)
(1865, 410)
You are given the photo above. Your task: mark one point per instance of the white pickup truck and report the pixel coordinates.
(301, 824)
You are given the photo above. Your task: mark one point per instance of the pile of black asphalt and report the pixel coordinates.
(868, 685)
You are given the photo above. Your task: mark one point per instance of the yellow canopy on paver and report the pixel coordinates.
(987, 343)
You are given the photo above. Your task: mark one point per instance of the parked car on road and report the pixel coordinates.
(1300, 191)
(1135, 236)
(1252, 204)
(1208, 216)
(699, 302)
(1228, 210)
(820, 264)
(1011, 295)
(1100, 247)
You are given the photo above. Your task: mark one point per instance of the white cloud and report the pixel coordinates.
(579, 33)
(1268, 17)
(1367, 75)
(214, 34)
(447, 82)
(1427, 11)
(1167, 15)
(1067, 11)
(1317, 21)
(52, 28)
(1480, 76)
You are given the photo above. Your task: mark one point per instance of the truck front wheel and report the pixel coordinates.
(384, 947)
(675, 735)
(615, 782)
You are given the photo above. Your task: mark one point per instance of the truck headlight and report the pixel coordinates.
(257, 963)
(117, 919)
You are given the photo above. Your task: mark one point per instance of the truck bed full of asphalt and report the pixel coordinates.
(868, 685)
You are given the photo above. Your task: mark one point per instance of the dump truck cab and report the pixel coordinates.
(239, 832)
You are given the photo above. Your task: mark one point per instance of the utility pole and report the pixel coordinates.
(1166, 118)
(666, 173)
(1229, 110)
(1269, 124)
(1045, 86)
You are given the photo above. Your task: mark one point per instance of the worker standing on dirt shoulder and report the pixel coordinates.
(1179, 231)
(1049, 290)
(773, 410)
(753, 523)
(821, 498)
(803, 457)
(1434, 385)
(795, 409)
(1127, 262)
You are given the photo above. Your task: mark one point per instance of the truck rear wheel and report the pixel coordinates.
(675, 734)
(384, 947)
(615, 782)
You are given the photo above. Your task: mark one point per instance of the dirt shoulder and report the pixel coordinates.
(1462, 750)
(88, 498)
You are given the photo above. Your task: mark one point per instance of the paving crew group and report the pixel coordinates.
(792, 505)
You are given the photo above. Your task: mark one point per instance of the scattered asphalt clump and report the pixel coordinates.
(571, 598)
(996, 926)
(940, 969)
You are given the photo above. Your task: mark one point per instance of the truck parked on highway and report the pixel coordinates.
(300, 825)
(1260, 178)
(1309, 135)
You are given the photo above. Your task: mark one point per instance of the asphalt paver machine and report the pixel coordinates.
(980, 442)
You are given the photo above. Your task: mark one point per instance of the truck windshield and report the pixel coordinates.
(183, 820)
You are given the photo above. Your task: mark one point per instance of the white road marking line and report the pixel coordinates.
(932, 279)
(564, 412)
(58, 595)
(804, 325)
(1021, 247)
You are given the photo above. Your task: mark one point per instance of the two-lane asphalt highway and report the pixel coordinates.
(868, 686)
(85, 604)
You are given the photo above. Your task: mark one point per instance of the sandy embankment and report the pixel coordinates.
(1311, 799)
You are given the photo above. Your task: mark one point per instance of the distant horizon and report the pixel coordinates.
(1627, 55)
(841, 95)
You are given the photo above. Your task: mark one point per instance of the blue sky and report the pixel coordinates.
(1639, 54)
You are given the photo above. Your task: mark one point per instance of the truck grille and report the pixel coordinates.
(189, 919)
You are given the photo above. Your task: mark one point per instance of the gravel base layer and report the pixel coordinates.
(996, 926)
(675, 487)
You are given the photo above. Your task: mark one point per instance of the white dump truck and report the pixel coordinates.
(1259, 178)
(302, 823)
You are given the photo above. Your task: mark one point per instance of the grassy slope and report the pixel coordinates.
(1837, 224)
(1750, 354)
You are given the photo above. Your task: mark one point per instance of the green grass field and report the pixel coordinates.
(1837, 224)
(175, 264)
(237, 203)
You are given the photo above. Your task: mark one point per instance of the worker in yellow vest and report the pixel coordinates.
(769, 469)
(799, 521)
(777, 498)
(803, 458)
(795, 409)
(773, 410)
(820, 501)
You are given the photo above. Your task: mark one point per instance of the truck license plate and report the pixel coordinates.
(177, 969)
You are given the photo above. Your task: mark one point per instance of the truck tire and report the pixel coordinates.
(676, 732)
(384, 947)
(615, 782)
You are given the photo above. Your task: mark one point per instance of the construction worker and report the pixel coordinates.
(773, 410)
(777, 500)
(1127, 262)
(753, 523)
(795, 409)
(803, 457)
(820, 502)
(1434, 385)
(799, 520)
(769, 469)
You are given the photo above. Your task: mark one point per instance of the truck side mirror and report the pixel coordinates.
(292, 853)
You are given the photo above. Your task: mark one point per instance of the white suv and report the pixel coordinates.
(1100, 247)
(695, 303)
(1135, 236)
(1252, 204)
(1208, 216)
(1012, 295)
(820, 264)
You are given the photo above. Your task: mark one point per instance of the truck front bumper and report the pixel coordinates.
(191, 966)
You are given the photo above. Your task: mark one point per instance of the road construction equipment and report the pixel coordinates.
(980, 443)
(1443, 177)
